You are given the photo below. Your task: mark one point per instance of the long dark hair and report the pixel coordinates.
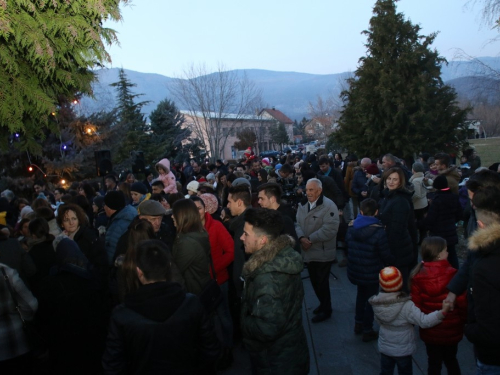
(186, 216)
(139, 230)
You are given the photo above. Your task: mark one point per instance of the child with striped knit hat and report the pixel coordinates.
(397, 314)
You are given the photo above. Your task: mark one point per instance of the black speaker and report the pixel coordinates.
(103, 163)
(139, 165)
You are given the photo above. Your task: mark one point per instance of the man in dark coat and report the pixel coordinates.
(159, 328)
(271, 311)
(483, 329)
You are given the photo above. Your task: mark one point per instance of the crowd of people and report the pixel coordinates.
(166, 274)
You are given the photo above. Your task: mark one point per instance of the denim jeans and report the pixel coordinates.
(364, 311)
(483, 369)
(405, 365)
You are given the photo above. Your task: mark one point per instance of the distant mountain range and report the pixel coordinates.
(289, 92)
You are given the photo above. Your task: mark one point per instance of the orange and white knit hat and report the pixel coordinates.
(390, 279)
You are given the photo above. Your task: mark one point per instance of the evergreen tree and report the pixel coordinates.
(246, 138)
(47, 50)
(397, 101)
(279, 135)
(130, 119)
(167, 134)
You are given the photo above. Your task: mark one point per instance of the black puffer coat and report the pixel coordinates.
(396, 214)
(444, 211)
(160, 330)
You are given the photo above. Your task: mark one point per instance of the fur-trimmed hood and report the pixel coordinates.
(485, 240)
(387, 306)
(273, 257)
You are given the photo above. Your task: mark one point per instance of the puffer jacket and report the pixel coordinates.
(221, 247)
(168, 179)
(117, 226)
(396, 314)
(160, 329)
(320, 225)
(483, 329)
(271, 309)
(396, 213)
(190, 254)
(368, 250)
(444, 211)
(419, 198)
(428, 290)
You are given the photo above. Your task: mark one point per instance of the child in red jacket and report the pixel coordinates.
(428, 290)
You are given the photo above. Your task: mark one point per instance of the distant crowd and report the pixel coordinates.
(169, 272)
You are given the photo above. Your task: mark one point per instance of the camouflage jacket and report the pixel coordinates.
(271, 310)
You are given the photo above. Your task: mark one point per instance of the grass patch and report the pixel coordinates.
(488, 150)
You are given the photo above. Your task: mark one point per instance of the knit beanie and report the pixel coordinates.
(372, 169)
(390, 279)
(265, 161)
(139, 187)
(115, 200)
(418, 167)
(440, 183)
(210, 201)
(193, 186)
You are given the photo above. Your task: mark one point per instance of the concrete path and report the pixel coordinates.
(333, 346)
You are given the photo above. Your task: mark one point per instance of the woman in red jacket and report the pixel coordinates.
(222, 251)
(428, 290)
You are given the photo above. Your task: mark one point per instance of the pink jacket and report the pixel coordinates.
(168, 179)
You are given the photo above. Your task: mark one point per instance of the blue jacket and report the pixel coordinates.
(118, 225)
(359, 183)
(368, 250)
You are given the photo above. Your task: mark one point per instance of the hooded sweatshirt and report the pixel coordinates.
(167, 178)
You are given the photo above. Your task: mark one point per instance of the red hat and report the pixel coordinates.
(390, 279)
(372, 169)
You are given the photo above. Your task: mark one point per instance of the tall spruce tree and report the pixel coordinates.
(279, 135)
(397, 102)
(131, 120)
(167, 133)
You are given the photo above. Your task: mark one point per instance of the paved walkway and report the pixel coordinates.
(333, 346)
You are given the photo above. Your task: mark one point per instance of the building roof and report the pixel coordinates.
(225, 116)
(278, 115)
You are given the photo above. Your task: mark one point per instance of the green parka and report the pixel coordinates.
(272, 310)
(191, 255)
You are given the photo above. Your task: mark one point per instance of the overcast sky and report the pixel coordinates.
(313, 36)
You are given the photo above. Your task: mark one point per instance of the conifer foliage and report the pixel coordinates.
(47, 50)
(397, 102)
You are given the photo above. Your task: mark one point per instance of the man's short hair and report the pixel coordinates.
(158, 183)
(153, 260)
(443, 158)
(487, 204)
(369, 207)
(392, 158)
(110, 177)
(265, 221)
(286, 168)
(241, 192)
(317, 181)
(39, 183)
(324, 160)
(483, 179)
(271, 189)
